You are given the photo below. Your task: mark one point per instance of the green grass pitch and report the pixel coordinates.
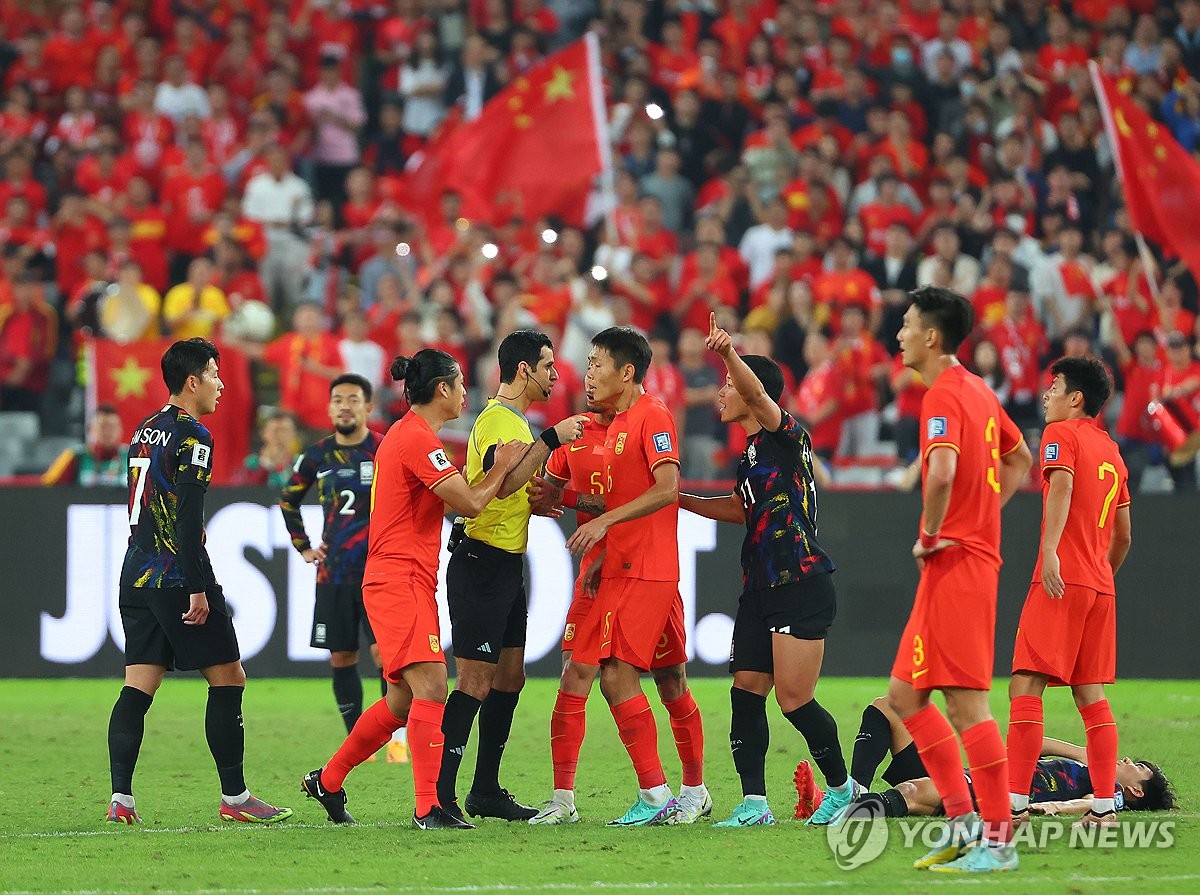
(54, 789)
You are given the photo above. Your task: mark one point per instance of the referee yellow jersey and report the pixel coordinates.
(504, 523)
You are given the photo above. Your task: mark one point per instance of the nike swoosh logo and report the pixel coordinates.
(578, 447)
(321, 475)
(660, 655)
(917, 674)
(436, 745)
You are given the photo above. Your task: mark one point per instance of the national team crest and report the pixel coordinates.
(1051, 452)
(620, 443)
(434, 646)
(366, 472)
(569, 634)
(752, 454)
(936, 427)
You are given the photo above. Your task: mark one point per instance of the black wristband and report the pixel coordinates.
(551, 438)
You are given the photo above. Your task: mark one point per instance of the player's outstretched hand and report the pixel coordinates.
(545, 498)
(1052, 581)
(570, 430)
(315, 554)
(1046, 809)
(718, 340)
(509, 453)
(197, 613)
(587, 536)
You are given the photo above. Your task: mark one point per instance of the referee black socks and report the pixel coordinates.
(749, 736)
(461, 709)
(820, 732)
(348, 691)
(871, 745)
(226, 736)
(495, 724)
(126, 727)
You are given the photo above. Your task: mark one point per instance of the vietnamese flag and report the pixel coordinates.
(1161, 179)
(129, 377)
(533, 151)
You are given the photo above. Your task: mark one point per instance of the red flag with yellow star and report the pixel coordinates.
(1161, 179)
(533, 150)
(129, 377)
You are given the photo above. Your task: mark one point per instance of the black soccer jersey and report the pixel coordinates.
(776, 486)
(169, 451)
(1064, 779)
(343, 475)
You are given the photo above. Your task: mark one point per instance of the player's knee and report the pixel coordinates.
(475, 679)
(671, 683)
(229, 675)
(343, 659)
(577, 679)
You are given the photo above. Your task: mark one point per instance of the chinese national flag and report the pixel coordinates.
(130, 378)
(1162, 180)
(533, 150)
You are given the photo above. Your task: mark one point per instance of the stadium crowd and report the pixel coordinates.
(232, 170)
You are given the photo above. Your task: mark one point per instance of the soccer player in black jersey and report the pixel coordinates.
(788, 600)
(342, 466)
(172, 609)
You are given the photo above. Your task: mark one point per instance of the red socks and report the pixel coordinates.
(989, 775)
(371, 732)
(1101, 730)
(688, 730)
(938, 748)
(425, 746)
(1025, 728)
(640, 736)
(567, 726)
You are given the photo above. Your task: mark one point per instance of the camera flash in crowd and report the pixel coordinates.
(599, 273)
(403, 249)
(549, 237)
(654, 111)
(489, 250)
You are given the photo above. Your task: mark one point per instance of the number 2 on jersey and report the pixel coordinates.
(1108, 469)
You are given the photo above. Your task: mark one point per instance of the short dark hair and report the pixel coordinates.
(522, 345)
(108, 409)
(625, 345)
(1157, 792)
(352, 379)
(188, 357)
(423, 372)
(1087, 376)
(768, 373)
(947, 312)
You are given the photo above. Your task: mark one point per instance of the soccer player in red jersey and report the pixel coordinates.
(973, 459)
(1067, 635)
(413, 484)
(637, 621)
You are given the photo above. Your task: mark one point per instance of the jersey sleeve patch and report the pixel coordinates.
(201, 455)
(935, 427)
(1050, 453)
(662, 443)
(439, 460)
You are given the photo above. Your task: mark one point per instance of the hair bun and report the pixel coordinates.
(402, 367)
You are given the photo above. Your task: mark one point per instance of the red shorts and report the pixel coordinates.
(638, 622)
(581, 605)
(403, 613)
(950, 638)
(1072, 640)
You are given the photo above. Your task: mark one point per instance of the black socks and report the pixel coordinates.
(348, 691)
(749, 736)
(495, 723)
(461, 709)
(820, 732)
(126, 727)
(226, 736)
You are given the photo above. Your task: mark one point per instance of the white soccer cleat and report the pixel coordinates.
(694, 803)
(556, 812)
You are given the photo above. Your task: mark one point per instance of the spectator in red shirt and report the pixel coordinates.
(663, 379)
(33, 71)
(886, 210)
(70, 53)
(1021, 344)
(909, 389)
(147, 233)
(76, 232)
(648, 294)
(19, 181)
(705, 291)
(1056, 58)
(844, 285)
(1127, 294)
(1143, 373)
(1180, 397)
(147, 133)
(190, 197)
(863, 367)
(28, 340)
(817, 401)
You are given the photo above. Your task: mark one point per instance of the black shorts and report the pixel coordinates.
(485, 590)
(338, 617)
(156, 635)
(804, 609)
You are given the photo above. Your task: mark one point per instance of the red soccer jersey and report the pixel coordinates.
(640, 440)
(406, 516)
(834, 290)
(818, 386)
(1187, 406)
(148, 243)
(1101, 486)
(1142, 383)
(186, 196)
(960, 412)
(580, 466)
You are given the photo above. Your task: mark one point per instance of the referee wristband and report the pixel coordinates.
(551, 438)
(570, 499)
(929, 541)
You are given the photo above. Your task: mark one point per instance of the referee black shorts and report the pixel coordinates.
(339, 617)
(804, 609)
(156, 635)
(485, 590)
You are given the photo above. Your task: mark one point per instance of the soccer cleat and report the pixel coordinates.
(253, 811)
(397, 752)
(643, 814)
(439, 818)
(809, 795)
(501, 805)
(749, 814)
(119, 814)
(858, 811)
(693, 805)
(958, 835)
(835, 800)
(1091, 819)
(554, 813)
(982, 859)
(334, 803)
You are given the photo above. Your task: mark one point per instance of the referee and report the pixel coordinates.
(485, 580)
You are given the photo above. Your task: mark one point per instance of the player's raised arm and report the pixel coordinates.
(469, 500)
(758, 402)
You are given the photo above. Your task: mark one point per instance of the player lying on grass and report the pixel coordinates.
(1061, 782)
